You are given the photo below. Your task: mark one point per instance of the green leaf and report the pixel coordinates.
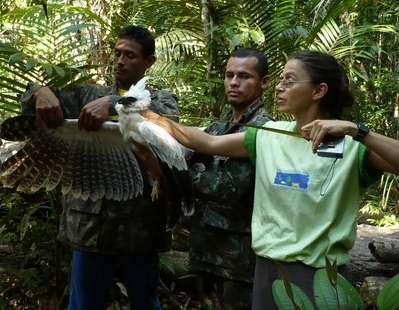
(17, 57)
(7, 48)
(30, 63)
(331, 270)
(59, 71)
(388, 297)
(345, 288)
(283, 301)
(48, 68)
(286, 278)
(343, 296)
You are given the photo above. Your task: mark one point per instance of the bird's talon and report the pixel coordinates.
(155, 191)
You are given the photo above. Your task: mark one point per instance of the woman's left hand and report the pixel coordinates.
(317, 130)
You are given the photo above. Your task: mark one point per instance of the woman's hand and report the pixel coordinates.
(317, 130)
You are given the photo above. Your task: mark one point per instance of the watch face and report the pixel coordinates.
(362, 131)
(363, 128)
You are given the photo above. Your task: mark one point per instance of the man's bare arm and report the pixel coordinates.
(47, 107)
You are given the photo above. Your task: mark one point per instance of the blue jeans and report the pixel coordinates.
(92, 274)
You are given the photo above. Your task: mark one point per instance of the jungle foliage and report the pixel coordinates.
(61, 42)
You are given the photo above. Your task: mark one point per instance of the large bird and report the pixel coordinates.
(98, 164)
(136, 129)
(134, 126)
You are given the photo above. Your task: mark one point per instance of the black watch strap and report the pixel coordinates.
(362, 131)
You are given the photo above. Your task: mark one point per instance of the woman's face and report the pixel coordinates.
(295, 90)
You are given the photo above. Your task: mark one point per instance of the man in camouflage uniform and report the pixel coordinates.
(109, 237)
(220, 238)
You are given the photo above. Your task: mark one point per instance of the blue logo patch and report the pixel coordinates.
(296, 180)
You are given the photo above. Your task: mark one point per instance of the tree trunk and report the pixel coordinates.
(207, 21)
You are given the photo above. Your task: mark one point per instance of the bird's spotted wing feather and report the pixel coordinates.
(18, 128)
(86, 164)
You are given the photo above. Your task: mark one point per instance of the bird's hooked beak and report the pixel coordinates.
(127, 100)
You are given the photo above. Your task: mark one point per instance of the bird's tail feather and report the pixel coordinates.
(180, 197)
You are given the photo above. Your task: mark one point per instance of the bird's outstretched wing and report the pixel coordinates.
(95, 164)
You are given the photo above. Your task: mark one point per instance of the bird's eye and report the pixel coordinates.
(131, 99)
(127, 100)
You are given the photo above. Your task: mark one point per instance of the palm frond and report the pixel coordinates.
(57, 47)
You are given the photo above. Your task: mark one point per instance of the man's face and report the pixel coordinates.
(242, 83)
(129, 64)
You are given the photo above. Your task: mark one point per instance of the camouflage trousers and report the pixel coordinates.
(217, 293)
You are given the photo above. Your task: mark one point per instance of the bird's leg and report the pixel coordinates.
(151, 165)
(155, 190)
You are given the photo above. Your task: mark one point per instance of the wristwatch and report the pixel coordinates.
(362, 130)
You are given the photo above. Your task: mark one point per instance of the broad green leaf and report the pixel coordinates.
(343, 296)
(17, 57)
(30, 63)
(59, 71)
(48, 68)
(388, 298)
(283, 301)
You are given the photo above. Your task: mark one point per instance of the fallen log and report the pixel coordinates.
(363, 264)
(386, 250)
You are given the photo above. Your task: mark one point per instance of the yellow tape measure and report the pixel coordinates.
(280, 131)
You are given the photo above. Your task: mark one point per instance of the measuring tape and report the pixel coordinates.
(280, 131)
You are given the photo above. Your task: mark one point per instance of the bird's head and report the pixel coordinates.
(138, 95)
(127, 105)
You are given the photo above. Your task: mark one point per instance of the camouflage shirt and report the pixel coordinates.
(107, 226)
(220, 239)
